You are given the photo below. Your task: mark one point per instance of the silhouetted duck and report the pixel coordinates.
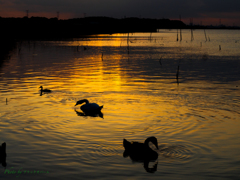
(89, 108)
(44, 90)
(3, 154)
(140, 151)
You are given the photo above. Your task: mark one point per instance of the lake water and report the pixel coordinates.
(194, 116)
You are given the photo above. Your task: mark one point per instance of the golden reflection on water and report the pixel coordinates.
(99, 41)
(141, 98)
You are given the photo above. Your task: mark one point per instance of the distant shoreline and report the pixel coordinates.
(44, 28)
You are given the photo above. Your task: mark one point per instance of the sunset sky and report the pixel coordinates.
(204, 12)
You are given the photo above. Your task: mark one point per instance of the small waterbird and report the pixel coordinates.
(44, 90)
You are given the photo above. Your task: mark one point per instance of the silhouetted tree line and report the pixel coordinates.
(44, 28)
(41, 27)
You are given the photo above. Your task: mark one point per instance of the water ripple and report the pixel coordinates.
(104, 150)
(179, 152)
(184, 152)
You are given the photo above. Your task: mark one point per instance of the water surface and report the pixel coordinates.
(195, 117)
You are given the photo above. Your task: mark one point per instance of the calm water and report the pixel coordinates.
(195, 117)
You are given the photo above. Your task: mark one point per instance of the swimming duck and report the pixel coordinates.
(44, 90)
(89, 108)
(140, 151)
(3, 154)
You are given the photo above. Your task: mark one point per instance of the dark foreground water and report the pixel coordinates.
(195, 117)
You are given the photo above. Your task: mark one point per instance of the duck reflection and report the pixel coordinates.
(3, 154)
(141, 152)
(94, 114)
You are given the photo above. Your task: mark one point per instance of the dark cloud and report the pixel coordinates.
(134, 8)
(221, 6)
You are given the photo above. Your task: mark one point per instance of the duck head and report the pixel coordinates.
(153, 140)
(82, 101)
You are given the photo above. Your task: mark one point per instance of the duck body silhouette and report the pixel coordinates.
(140, 151)
(96, 114)
(44, 90)
(89, 108)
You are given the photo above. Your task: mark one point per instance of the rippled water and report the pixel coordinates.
(195, 117)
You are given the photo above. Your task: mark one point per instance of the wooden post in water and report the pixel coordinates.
(205, 34)
(191, 23)
(128, 51)
(150, 38)
(177, 74)
(160, 61)
(180, 30)
(192, 38)
(177, 34)
(180, 34)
